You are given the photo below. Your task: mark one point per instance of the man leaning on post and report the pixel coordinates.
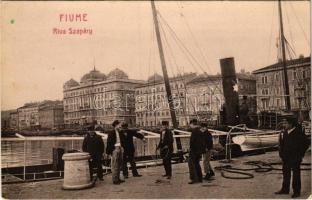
(115, 143)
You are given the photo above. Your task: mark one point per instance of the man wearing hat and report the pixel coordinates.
(243, 112)
(94, 145)
(128, 155)
(208, 144)
(166, 148)
(197, 148)
(293, 144)
(115, 143)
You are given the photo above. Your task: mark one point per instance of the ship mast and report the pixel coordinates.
(286, 85)
(165, 74)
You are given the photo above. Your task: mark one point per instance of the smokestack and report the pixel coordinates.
(229, 82)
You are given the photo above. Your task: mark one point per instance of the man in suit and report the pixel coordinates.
(197, 148)
(293, 144)
(166, 148)
(115, 143)
(128, 155)
(94, 145)
(207, 138)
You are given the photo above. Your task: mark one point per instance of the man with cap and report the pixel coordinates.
(166, 148)
(293, 144)
(244, 111)
(208, 144)
(94, 145)
(197, 148)
(128, 155)
(115, 143)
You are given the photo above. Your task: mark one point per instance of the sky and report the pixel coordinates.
(35, 63)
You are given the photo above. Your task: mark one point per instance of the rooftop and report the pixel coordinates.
(289, 64)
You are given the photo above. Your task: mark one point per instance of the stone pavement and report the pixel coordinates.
(152, 185)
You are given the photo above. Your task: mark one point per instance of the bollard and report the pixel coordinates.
(76, 172)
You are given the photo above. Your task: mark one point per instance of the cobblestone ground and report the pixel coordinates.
(152, 185)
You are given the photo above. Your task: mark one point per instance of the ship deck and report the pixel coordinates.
(152, 185)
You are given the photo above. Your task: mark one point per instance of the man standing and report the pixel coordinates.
(243, 112)
(115, 143)
(128, 155)
(207, 138)
(293, 145)
(94, 145)
(166, 148)
(196, 150)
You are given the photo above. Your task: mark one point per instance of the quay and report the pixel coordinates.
(153, 185)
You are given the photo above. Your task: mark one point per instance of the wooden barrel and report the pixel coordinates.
(76, 171)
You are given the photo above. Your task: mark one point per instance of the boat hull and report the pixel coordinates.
(257, 140)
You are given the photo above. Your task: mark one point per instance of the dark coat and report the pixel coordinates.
(93, 145)
(197, 141)
(167, 141)
(128, 145)
(111, 141)
(208, 140)
(293, 146)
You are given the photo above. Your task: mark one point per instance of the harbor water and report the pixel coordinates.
(40, 151)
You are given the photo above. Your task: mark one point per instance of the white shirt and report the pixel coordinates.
(291, 130)
(117, 139)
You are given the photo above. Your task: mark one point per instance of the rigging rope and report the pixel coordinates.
(180, 43)
(193, 37)
(290, 32)
(181, 77)
(300, 25)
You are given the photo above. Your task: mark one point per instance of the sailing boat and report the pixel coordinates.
(260, 139)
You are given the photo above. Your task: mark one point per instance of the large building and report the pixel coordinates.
(151, 104)
(5, 119)
(270, 86)
(28, 116)
(14, 120)
(51, 115)
(39, 115)
(100, 98)
(205, 95)
(194, 96)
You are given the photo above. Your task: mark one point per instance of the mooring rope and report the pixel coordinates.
(259, 167)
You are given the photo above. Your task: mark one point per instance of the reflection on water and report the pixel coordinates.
(41, 152)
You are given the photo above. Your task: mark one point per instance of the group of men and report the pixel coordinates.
(201, 144)
(293, 144)
(119, 146)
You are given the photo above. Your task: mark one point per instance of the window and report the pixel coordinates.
(276, 77)
(294, 75)
(278, 103)
(264, 79)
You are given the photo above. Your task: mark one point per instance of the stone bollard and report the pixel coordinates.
(76, 171)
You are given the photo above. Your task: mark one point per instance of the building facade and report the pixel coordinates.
(270, 86)
(152, 103)
(5, 119)
(194, 96)
(14, 120)
(100, 98)
(28, 116)
(51, 115)
(205, 99)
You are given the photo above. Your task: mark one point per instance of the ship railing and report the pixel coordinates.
(148, 148)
